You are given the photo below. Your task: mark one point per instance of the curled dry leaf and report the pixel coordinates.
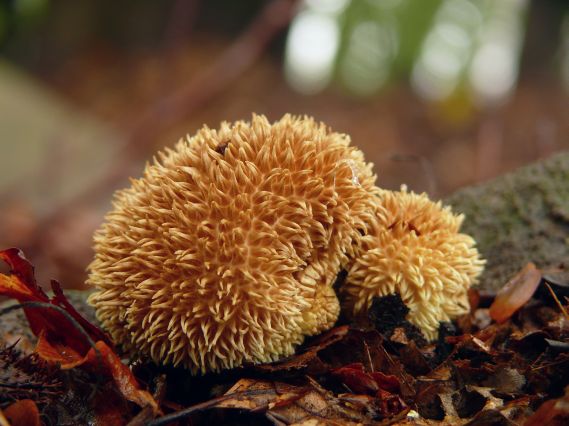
(294, 405)
(260, 395)
(354, 376)
(22, 413)
(304, 358)
(515, 293)
(283, 403)
(383, 389)
(21, 285)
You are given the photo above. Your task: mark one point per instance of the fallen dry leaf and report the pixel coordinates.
(303, 358)
(294, 405)
(554, 412)
(515, 293)
(357, 380)
(23, 413)
(475, 374)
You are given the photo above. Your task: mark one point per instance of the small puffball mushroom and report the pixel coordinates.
(414, 248)
(225, 251)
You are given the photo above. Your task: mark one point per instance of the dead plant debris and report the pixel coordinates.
(505, 363)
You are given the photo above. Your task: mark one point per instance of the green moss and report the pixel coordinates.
(519, 217)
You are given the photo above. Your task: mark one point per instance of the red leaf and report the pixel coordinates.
(110, 363)
(53, 351)
(59, 340)
(389, 404)
(515, 293)
(551, 413)
(105, 362)
(49, 323)
(23, 413)
(21, 267)
(60, 300)
(387, 382)
(354, 376)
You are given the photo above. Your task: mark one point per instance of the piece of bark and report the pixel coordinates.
(518, 218)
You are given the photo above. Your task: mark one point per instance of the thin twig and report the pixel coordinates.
(179, 415)
(142, 417)
(67, 315)
(400, 370)
(369, 357)
(553, 364)
(561, 307)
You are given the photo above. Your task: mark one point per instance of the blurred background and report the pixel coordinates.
(439, 94)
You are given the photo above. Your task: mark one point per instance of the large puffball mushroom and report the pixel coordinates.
(414, 248)
(225, 251)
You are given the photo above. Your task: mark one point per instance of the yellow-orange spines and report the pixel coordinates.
(414, 248)
(225, 251)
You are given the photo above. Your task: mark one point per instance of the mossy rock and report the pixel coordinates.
(518, 218)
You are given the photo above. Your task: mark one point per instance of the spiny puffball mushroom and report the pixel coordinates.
(225, 251)
(414, 248)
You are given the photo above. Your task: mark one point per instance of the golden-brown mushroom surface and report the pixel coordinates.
(414, 248)
(225, 251)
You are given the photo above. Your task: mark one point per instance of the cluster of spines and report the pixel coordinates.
(414, 248)
(225, 251)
